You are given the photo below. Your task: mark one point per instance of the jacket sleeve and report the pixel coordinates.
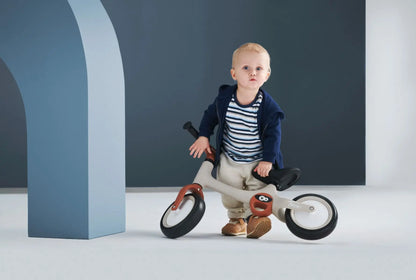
(209, 120)
(271, 138)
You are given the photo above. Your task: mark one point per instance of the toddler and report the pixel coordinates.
(248, 136)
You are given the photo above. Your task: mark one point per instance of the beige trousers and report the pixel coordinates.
(238, 176)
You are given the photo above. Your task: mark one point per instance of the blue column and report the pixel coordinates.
(65, 58)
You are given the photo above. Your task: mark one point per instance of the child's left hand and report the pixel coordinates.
(263, 168)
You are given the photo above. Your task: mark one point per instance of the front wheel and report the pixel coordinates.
(312, 225)
(175, 223)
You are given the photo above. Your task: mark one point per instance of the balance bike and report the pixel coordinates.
(308, 216)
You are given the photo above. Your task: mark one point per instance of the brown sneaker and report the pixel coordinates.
(236, 226)
(258, 226)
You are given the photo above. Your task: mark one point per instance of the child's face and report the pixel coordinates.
(251, 70)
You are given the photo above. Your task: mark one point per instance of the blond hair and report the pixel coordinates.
(249, 47)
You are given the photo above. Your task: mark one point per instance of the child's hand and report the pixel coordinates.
(263, 168)
(199, 146)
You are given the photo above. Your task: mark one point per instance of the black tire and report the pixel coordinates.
(177, 223)
(298, 224)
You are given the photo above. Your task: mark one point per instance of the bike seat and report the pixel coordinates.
(282, 178)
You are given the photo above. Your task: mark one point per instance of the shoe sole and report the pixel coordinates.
(234, 234)
(260, 230)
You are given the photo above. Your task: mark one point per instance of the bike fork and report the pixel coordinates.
(280, 204)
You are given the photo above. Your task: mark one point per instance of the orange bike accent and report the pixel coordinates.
(263, 201)
(194, 188)
(211, 156)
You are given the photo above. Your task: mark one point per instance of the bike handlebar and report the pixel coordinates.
(188, 126)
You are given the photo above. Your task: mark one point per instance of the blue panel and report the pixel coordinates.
(41, 45)
(106, 125)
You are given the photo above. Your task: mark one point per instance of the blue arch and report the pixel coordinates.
(65, 58)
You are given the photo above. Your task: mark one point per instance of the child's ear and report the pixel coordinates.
(232, 71)
(268, 75)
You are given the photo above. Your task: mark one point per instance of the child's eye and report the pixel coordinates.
(259, 68)
(245, 67)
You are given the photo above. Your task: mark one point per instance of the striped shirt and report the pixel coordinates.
(241, 140)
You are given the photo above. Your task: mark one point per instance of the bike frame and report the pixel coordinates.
(265, 199)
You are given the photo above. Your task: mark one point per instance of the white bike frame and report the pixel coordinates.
(279, 204)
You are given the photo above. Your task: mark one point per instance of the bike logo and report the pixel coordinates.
(263, 198)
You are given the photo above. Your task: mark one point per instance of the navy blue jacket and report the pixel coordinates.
(269, 119)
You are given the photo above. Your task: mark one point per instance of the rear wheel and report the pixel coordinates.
(177, 223)
(312, 225)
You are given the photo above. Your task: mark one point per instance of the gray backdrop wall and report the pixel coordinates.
(177, 53)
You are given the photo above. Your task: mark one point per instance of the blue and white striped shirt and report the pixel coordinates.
(241, 140)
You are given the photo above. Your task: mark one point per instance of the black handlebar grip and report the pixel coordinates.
(188, 126)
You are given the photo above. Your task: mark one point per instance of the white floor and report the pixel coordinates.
(375, 239)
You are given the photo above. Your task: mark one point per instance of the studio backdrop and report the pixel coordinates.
(177, 53)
